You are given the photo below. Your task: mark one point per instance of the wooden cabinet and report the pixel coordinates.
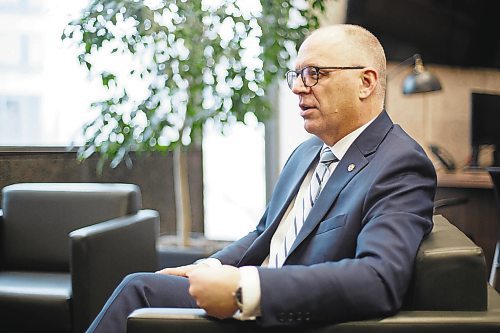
(478, 216)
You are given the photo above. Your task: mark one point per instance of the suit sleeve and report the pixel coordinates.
(395, 214)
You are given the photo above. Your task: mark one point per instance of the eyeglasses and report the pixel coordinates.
(310, 74)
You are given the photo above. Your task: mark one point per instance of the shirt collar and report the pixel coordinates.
(340, 148)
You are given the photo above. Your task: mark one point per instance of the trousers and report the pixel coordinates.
(141, 290)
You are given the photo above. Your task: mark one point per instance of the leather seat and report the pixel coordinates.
(65, 247)
(45, 296)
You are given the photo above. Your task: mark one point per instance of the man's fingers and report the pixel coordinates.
(179, 271)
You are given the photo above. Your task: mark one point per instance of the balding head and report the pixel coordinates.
(358, 44)
(342, 80)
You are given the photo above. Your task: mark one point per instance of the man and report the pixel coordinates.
(339, 236)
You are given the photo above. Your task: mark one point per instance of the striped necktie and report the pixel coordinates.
(303, 206)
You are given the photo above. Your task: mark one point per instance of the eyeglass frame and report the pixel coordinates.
(317, 68)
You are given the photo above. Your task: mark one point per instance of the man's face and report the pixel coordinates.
(329, 108)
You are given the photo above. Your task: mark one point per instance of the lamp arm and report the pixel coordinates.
(402, 65)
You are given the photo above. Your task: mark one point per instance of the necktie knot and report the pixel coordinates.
(327, 157)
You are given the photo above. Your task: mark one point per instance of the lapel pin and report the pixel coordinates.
(351, 167)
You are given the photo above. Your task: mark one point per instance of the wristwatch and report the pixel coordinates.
(238, 296)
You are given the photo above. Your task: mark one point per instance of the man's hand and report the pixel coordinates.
(213, 288)
(182, 270)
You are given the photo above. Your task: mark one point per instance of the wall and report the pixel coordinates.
(442, 117)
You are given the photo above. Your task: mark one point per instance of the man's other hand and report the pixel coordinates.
(213, 289)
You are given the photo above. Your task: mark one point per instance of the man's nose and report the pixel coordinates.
(298, 86)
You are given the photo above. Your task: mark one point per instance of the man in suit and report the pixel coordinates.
(339, 236)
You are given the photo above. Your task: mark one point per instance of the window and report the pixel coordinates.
(44, 92)
(234, 180)
(44, 101)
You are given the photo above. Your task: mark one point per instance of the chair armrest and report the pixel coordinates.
(104, 253)
(449, 202)
(156, 320)
(161, 320)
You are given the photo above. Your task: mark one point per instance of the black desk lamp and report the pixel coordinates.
(420, 80)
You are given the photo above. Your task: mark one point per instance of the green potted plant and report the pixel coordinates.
(191, 61)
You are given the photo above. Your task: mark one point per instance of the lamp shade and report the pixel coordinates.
(420, 83)
(420, 80)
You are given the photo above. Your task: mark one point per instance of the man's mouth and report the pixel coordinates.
(304, 107)
(305, 110)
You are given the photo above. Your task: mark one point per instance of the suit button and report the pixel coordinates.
(290, 316)
(281, 316)
(307, 316)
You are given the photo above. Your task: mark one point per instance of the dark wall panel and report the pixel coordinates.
(152, 172)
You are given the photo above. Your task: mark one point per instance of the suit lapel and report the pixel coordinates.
(292, 181)
(284, 193)
(351, 164)
(337, 181)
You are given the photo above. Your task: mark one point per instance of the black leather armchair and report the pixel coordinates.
(448, 293)
(64, 248)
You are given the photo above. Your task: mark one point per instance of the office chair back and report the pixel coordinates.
(495, 267)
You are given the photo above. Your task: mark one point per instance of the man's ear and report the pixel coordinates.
(369, 81)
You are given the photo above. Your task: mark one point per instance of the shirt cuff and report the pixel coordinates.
(211, 262)
(250, 290)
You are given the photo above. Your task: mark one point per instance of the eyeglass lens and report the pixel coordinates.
(309, 76)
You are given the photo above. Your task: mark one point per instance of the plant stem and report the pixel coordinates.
(181, 193)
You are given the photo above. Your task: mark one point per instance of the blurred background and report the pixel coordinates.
(45, 96)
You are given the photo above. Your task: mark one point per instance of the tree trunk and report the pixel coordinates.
(181, 193)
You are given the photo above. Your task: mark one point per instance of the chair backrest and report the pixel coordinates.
(495, 177)
(37, 218)
(449, 274)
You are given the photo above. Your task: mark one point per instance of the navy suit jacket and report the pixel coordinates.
(353, 258)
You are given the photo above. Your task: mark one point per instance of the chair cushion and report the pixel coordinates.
(35, 301)
(37, 218)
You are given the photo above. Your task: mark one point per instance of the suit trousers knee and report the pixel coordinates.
(141, 290)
